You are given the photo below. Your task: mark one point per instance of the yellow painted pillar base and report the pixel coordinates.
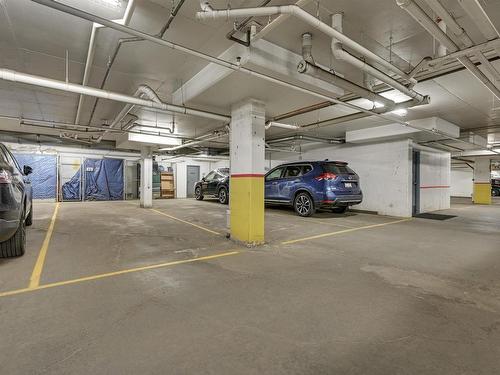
(247, 208)
(482, 193)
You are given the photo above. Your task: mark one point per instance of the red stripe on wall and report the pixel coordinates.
(434, 187)
(247, 175)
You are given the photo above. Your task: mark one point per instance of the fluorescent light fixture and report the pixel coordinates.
(378, 105)
(109, 3)
(400, 112)
(154, 139)
(395, 96)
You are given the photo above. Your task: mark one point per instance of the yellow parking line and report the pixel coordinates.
(37, 271)
(342, 232)
(116, 273)
(186, 222)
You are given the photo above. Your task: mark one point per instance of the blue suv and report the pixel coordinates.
(305, 185)
(309, 185)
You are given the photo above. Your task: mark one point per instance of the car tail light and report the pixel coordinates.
(5, 177)
(326, 176)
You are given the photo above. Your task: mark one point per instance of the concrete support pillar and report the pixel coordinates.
(247, 150)
(482, 181)
(146, 177)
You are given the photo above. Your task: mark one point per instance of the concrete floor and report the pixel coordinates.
(381, 296)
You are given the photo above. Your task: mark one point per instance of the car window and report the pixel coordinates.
(306, 169)
(210, 176)
(293, 171)
(275, 174)
(337, 168)
(11, 160)
(224, 171)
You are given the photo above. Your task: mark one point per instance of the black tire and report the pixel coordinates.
(16, 245)
(223, 196)
(339, 210)
(303, 205)
(496, 192)
(29, 218)
(197, 193)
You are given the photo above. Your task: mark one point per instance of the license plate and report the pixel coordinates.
(348, 184)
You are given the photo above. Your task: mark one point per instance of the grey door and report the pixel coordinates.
(416, 183)
(193, 176)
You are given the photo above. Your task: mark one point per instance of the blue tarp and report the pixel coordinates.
(103, 179)
(71, 189)
(44, 176)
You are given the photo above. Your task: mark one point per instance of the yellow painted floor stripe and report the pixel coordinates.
(116, 273)
(37, 270)
(342, 232)
(186, 222)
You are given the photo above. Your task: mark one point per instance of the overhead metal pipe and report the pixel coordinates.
(233, 66)
(142, 90)
(475, 10)
(123, 41)
(91, 52)
(298, 12)
(427, 23)
(308, 66)
(461, 34)
(340, 54)
(281, 125)
(194, 143)
(13, 76)
(331, 77)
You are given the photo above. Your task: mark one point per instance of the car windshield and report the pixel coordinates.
(337, 168)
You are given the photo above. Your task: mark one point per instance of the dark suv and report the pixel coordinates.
(306, 186)
(215, 184)
(495, 187)
(15, 205)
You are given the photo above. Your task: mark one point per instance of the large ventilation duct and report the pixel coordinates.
(427, 23)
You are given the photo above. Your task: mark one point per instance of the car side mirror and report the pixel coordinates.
(203, 178)
(27, 170)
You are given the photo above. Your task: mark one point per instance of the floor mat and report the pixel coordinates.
(435, 216)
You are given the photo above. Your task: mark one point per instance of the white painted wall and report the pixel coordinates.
(461, 182)
(434, 181)
(384, 170)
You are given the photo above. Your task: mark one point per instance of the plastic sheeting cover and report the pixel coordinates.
(71, 189)
(103, 179)
(44, 176)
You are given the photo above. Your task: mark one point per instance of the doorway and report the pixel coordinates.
(416, 183)
(193, 176)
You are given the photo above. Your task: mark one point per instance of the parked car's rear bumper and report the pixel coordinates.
(343, 200)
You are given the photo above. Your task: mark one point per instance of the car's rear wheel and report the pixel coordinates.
(496, 192)
(198, 194)
(16, 245)
(223, 196)
(303, 205)
(339, 210)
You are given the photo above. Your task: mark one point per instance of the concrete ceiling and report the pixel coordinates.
(34, 39)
